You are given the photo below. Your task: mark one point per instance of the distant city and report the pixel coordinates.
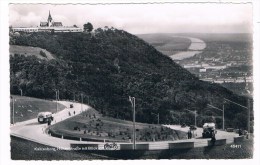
(214, 59)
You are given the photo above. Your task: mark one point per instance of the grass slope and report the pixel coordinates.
(92, 125)
(30, 51)
(28, 107)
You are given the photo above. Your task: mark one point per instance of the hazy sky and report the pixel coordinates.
(141, 18)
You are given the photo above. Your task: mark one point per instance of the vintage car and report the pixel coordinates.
(44, 117)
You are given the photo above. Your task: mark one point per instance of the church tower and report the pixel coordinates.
(49, 19)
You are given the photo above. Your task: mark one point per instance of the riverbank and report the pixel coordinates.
(196, 47)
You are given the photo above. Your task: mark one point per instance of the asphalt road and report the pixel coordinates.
(33, 131)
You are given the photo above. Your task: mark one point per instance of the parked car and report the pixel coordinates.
(208, 130)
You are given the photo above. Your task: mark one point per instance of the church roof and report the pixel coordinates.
(43, 24)
(57, 24)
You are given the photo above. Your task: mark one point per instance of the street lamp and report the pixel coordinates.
(132, 100)
(21, 92)
(81, 101)
(56, 92)
(13, 100)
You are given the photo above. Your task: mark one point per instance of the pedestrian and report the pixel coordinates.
(213, 138)
(69, 114)
(240, 132)
(74, 112)
(189, 134)
(49, 122)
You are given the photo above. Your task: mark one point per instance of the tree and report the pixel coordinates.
(88, 27)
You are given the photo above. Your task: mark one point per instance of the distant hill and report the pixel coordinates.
(110, 65)
(207, 37)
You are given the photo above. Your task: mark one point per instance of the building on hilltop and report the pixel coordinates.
(49, 26)
(50, 23)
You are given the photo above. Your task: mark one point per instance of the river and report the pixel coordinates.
(196, 47)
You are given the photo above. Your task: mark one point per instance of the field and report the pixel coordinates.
(25, 147)
(92, 125)
(27, 107)
(30, 51)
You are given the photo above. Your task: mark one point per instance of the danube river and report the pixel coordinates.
(195, 47)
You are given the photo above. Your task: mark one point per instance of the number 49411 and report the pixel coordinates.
(235, 146)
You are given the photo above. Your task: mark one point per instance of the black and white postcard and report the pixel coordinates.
(131, 81)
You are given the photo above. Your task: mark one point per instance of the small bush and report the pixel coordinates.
(43, 54)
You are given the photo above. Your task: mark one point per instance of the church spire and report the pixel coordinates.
(49, 18)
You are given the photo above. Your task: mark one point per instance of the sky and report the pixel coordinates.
(141, 18)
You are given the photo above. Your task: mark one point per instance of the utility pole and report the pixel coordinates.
(132, 100)
(13, 108)
(81, 101)
(195, 118)
(223, 125)
(248, 120)
(21, 92)
(56, 92)
(158, 118)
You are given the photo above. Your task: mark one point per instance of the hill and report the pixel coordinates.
(28, 107)
(110, 65)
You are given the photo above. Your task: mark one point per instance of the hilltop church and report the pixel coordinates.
(49, 26)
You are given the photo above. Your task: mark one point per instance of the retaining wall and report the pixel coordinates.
(239, 139)
(181, 145)
(218, 142)
(137, 146)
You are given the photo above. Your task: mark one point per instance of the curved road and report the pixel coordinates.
(33, 131)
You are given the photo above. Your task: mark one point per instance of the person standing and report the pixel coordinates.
(213, 137)
(189, 134)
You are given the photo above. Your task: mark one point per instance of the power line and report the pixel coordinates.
(235, 103)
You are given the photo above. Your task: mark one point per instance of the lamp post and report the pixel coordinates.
(21, 91)
(132, 100)
(248, 117)
(81, 101)
(56, 92)
(13, 100)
